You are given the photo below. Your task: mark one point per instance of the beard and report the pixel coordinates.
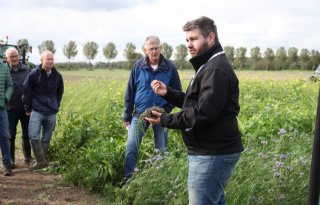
(205, 46)
(199, 50)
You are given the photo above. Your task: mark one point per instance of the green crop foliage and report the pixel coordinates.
(276, 120)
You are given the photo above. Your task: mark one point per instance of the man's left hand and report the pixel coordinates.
(156, 119)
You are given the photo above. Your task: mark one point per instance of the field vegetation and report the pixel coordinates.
(277, 122)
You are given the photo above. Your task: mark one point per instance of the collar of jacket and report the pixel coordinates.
(160, 65)
(39, 67)
(21, 67)
(199, 60)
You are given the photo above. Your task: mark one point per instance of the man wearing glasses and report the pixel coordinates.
(139, 97)
(16, 112)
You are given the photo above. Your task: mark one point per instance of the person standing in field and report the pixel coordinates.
(208, 119)
(139, 97)
(6, 89)
(16, 113)
(42, 94)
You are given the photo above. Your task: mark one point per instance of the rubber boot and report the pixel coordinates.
(26, 147)
(41, 161)
(7, 170)
(45, 147)
(12, 152)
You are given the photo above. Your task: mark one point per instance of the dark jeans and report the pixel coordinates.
(4, 137)
(14, 117)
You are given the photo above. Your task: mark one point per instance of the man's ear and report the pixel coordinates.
(211, 38)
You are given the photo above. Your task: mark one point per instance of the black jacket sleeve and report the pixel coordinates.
(207, 108)
(175, 97)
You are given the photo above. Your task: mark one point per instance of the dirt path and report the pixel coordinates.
(26, 187)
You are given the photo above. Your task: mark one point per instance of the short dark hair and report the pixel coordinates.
(204, 24)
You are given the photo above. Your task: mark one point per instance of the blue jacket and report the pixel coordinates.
(139, 94)
(42, 93)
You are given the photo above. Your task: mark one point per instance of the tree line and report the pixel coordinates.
(269, 59)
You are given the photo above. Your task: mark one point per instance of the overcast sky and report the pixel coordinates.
(247, 23)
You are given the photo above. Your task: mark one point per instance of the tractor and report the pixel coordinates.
(22, 49)
(316, 76)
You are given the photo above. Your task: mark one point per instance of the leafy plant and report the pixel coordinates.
(276, 120)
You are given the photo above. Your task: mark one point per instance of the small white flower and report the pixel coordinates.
(282, 197)
(264, 142)
(282, 131)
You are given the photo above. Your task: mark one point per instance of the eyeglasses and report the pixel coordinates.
(154, 49)
(16, 56)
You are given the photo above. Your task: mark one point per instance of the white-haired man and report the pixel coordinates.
(16, 113)
(139, 97)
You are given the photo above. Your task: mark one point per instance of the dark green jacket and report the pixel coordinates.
(6, 85)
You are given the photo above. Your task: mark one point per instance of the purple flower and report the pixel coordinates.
(276, 174)
(284, 156)
(278, 165)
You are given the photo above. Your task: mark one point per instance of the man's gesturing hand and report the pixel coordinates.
(159, 87)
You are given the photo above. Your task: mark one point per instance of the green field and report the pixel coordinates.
(276, 119)
(187, 74)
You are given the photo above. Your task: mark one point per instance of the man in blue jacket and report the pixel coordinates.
(42, 94)
(139, 97)
(16, 113)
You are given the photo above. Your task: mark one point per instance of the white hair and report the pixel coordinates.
(11, 49)
(153, 39)
(45, 53)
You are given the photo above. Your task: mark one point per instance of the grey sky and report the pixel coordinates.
(247, 23)
(82, 5)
